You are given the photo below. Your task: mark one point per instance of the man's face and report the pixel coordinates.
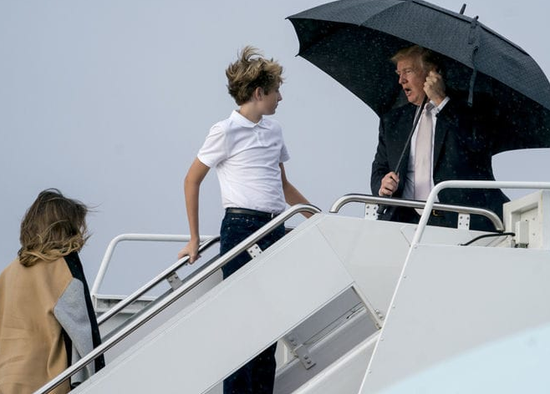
(412, 78)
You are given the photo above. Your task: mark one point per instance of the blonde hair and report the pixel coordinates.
(53, 227)
(251, 71)
(427, 58)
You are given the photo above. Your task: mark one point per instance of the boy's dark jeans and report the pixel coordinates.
(258, 375)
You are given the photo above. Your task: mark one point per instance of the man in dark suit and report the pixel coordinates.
(449, 143)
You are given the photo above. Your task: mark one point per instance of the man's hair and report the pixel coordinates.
(428, 59)
(251, 71)
(53, 227)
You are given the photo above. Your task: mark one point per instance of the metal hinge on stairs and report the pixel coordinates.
(300, 350)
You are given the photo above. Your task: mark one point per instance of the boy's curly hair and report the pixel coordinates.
(251, 71)
(53, 227)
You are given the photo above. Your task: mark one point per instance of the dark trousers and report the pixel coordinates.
(258, 375)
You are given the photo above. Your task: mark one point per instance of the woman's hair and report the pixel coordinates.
(251, 71)
(428, 59)
(53, 227)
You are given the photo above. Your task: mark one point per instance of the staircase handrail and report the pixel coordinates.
(132, 237)
(398, 202)
(153, 282)
(430, 202)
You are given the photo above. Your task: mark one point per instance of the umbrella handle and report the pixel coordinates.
(382, 208)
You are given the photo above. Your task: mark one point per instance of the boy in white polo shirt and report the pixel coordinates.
(248, 151)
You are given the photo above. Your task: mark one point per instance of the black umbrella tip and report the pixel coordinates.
(463, 9)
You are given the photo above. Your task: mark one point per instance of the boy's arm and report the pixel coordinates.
(292, 195)
(192, 184)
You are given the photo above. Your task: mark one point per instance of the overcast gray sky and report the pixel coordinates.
(109, 101)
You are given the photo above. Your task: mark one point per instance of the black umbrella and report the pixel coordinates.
(353, 40)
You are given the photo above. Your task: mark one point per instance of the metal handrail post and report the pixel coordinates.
(178, 293)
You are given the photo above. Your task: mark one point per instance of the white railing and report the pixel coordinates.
(467, 185)
(388, 201)
(168, 274)
(133, 237)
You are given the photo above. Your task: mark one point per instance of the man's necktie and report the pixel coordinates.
(423, 155)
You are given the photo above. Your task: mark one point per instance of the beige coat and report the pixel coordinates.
(32, 348)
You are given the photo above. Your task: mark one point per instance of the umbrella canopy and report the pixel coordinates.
(353, 41)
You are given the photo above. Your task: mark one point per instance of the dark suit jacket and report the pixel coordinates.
(462, 151)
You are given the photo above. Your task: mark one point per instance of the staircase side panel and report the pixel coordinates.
(236, 320)
(468, 320)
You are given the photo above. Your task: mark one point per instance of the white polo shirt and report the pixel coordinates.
(246, 157)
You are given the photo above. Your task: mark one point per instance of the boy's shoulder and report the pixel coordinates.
(221, 126)
(232, 121)
(270, 123)
(236, 122)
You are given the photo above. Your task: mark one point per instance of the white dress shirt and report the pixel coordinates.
(408, 192)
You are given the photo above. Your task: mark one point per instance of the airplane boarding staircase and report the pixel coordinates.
(358, 305)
